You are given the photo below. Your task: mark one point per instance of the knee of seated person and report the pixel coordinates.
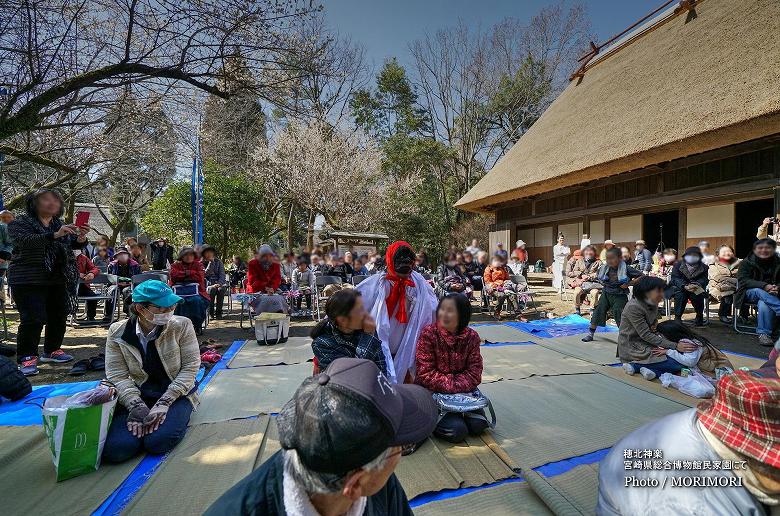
(476, 425)
(161, 442)
(454, 430)
(120, 453)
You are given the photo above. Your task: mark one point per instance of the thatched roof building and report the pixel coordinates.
(686, 85)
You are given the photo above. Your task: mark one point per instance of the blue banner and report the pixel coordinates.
(196, 198)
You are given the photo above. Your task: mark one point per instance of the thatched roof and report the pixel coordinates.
(692, 85)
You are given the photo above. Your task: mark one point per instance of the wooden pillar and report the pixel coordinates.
(682, 233)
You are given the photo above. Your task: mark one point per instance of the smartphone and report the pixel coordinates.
(82, 218)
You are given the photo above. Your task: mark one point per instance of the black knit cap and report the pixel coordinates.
(344, 418)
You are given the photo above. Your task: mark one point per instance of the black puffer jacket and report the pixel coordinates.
(13, 384)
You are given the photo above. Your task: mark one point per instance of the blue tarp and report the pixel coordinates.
(19, 413)
(559, 327)
(454, 493)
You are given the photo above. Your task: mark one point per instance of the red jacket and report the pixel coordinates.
(448, 363)
(182, 273)
(85, 267)
(258, 279)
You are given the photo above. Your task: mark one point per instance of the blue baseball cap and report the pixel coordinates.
(155, 292)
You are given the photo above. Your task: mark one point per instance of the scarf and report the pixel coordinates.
(622, 275)
(397, 297)
(749, 480)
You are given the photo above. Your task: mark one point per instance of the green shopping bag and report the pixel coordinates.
(76, 435)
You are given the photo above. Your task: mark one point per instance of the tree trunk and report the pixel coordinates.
(290, 228)
(116, 229)
(70, 204)
(310, 231)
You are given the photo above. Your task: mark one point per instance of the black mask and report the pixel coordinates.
(403, 260)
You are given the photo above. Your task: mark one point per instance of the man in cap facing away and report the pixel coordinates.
(341, 436)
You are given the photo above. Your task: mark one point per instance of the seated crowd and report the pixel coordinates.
(603, 280)
(394, 362)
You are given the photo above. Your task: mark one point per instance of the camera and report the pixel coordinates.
(774, 220)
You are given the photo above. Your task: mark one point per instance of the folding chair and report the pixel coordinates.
(321, 282)
(246, 310)
(103, 282)
(741, 328)
(519, 279)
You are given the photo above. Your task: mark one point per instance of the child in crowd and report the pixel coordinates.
(688, 283)
(617, 277)
(497, 283)
(302, 281)
(666, 263)
(101, 259)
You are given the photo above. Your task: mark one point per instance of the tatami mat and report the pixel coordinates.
(239, 393)
(600, 351)
(295, 351)
(742, 361)
(653, 387)
(547, 419)
(28, 483)
(511, 499)
(518, 362)
(210, 460)
(438, 465)
(500, 333)
(579, 486)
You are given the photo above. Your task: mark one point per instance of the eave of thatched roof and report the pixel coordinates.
(691, 85)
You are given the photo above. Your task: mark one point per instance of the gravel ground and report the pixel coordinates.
(89, 341)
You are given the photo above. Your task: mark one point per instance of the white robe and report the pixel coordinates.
(399, 341)
(560, 252)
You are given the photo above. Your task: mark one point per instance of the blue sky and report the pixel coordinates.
(386, 27)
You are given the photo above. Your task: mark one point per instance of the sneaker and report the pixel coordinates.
(628, 369)
(29, 366)
(59, 357)
(766, 340)
(647, 374)
(588, 338)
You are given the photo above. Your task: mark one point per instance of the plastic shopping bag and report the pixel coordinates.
(695, 384)
(76, 433)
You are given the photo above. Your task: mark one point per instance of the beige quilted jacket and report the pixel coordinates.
(179, 352)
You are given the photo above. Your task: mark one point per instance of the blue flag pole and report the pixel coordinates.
(199, 240)
(194, 199)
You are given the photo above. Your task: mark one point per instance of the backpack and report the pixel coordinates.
(13, 384)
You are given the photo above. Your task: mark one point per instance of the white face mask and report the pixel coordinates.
(691, 259)
(77, 252)
(161, 319)
(496, 264)
(669, 258)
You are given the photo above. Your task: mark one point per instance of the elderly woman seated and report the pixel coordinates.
(451, 278)
(188, 279)
(582, 278)
(153, 359)
(637, 338)
(449, 361)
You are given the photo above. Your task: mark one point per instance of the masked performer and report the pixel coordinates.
(402, 303)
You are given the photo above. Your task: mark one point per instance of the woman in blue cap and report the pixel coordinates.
(153, 359)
